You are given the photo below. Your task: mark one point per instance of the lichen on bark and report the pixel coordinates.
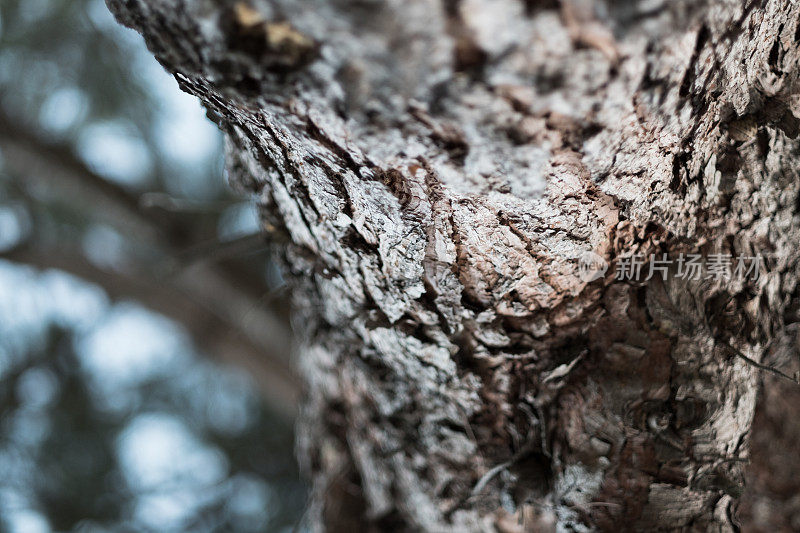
(438, 168)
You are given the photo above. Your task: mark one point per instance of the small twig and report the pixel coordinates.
(150, 200)
(738, 353)
(525, 451)
(488, 476)
(216, 249)
(758, 365)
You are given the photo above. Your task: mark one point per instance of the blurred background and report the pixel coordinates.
(144, 347)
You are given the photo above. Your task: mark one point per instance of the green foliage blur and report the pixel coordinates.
(184, 444)
(76, 457)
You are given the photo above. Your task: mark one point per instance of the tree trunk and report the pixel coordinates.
(440, 169)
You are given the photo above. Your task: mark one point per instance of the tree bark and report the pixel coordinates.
(438, 170)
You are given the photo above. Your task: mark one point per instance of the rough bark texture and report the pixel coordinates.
(437, 168)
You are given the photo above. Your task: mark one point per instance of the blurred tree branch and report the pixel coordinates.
(218, 301)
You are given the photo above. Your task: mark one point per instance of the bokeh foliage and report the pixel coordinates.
(72, 81)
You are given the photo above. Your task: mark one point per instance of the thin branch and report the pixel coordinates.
(488, 476)
(756, 364)
(167, 202)
(212, 333)
(216, 249)
(228, 290)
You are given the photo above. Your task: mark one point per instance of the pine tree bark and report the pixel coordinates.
(437, 169)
